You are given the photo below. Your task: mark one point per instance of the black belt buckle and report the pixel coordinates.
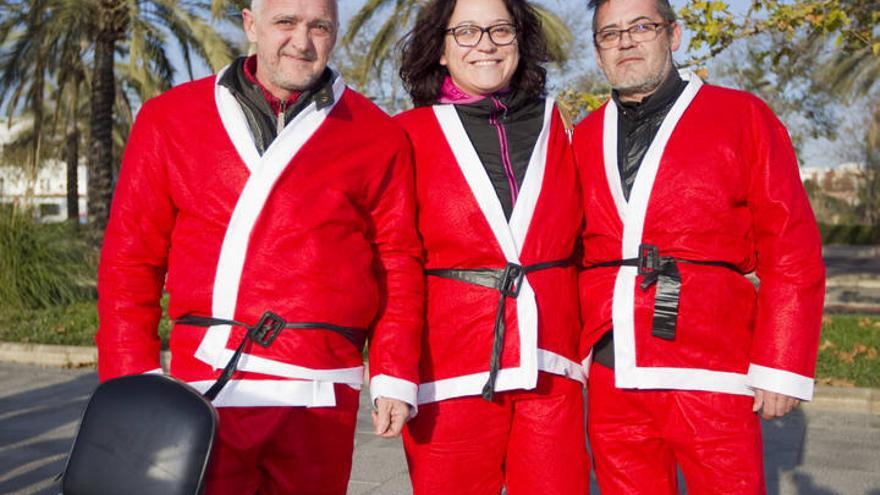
(267, 329)
(512, 281)
(649, 259)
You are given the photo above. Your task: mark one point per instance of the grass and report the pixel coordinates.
(849, 354)
(74, 324)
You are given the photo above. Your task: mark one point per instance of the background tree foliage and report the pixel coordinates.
(108, 51)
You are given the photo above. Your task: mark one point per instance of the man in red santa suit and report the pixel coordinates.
(687, 188)
(270, 193)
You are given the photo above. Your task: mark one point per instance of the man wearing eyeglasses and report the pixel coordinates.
(688, 187)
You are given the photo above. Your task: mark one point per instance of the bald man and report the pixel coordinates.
(275, 206)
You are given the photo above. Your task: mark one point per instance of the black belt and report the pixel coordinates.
(662, 270)
(264, 333)
(508, 282)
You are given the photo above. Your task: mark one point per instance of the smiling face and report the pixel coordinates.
(485, 68)
(293, 40)
(635, 69)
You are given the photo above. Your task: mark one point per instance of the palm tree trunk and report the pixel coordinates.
(72, 156)
(103, 95)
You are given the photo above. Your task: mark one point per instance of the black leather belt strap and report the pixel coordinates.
(663, 271)
(264, 333)
(508, 282)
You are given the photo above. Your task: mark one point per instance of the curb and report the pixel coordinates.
(61, 356)
(843, 399)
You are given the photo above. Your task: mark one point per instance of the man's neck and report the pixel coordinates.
(641, 96)
(277, 91)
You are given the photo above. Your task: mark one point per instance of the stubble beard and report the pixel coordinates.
(644, 85)
(298, 81)
(292, 83)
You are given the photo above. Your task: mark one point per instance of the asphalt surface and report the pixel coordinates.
(811, 452)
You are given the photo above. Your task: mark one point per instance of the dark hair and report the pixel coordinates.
(422, 47)
(663, 8)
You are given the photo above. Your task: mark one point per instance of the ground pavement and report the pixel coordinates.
(811, 452)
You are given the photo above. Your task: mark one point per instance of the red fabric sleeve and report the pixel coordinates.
(395, 340)
(790, 266)
(134, 255)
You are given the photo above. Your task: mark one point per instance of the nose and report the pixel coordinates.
(626, 41)
(300, 38)
(486, 44)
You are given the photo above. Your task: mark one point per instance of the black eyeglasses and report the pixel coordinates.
(468, 35)
(644, 31)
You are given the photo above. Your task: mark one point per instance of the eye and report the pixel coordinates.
(610, 34)
(642, 28)
(504, 30)
(467, 31)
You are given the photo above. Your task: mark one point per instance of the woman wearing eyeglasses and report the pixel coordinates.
(500, 399)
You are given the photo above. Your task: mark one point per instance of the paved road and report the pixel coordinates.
(811, 452)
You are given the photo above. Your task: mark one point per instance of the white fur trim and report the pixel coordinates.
(268, 393)
(390, 387)
(609, 153)
(465, 385)
(780, 381)
(683, 379)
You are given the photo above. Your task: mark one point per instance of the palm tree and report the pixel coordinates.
(400, 14)
(121, 44)
(141, 27)
(24, 35)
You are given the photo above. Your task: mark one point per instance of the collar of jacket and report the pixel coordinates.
(511, 102)
(246, 88)
(666, 94)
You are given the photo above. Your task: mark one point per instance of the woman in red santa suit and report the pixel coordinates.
(500, 400)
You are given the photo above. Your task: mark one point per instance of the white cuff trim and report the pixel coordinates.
(390, 387)
(780, 381)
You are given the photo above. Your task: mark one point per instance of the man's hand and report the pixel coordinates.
(389, 417)
(773, 405)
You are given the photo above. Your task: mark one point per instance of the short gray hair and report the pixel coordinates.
(256, 5)
(663, 8)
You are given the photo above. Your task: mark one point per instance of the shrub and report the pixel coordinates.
(859, 235)
(42, 265)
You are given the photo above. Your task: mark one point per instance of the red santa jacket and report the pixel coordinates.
(320, 228)
(463, 227)
(719, 182)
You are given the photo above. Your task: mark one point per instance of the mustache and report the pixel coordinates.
(308, 56)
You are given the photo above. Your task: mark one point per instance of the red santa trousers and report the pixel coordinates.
(285, 450)
(531, 441)
(638, 437)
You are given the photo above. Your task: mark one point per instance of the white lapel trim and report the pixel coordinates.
(235, 123)
(637, 207)
(510, 236)
(609, 152)
(256, 192)
(475, 175)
